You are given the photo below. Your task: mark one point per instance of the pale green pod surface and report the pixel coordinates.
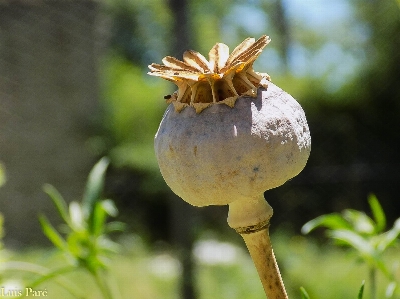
(225, 154)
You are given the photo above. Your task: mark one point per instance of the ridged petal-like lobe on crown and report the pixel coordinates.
(218, 56)
(221, 79)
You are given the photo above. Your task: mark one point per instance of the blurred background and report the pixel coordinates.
(74, 88)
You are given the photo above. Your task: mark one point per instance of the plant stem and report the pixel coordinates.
(250, 218)
(102, 284)
(372, 279)
(262, 254)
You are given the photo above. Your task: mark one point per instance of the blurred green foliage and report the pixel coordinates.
(144, 272)
(87, 244)
(355, 229)
(133, 107)
(139, 29)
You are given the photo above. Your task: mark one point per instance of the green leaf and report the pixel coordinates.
(79, 245)
(361, 291)
(360, 221)
(389, 238)
(99, 219)
(52, 234)
(332, 221)
(109, 207)
(377, 212)
(354, 240)
(94, 186)
(58, 201)
(304, 294)
(114, 226)
(102, 210)
(107, 246)
(77, 217)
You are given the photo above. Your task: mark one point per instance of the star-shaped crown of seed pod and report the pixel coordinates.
(222, 79)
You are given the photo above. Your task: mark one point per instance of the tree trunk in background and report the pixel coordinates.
(180, 35)
(182, 213)
(182, 223)
(282, 27)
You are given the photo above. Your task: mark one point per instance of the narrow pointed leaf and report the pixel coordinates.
(354, 240)
(377, 212)
(103, 209)
(76, 216)
(331, 221)
(52, 234)
(114, 226)
(390, 236)
(360, 221)
(58, 201)
(94, 186)
(109, 207)
(99, 219)
(108, 246)
(304, 294)
(361, 291)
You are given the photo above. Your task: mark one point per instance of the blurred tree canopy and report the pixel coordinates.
(340, 59)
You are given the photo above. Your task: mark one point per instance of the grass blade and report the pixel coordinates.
(304, 294)
(52, 234)
(114, 226)
(354, 240)
(361, 223)
(331, 221)
(377, 212)
(389, 237)
(94, 185)
(361, 291)
(58, 201)
(77, 218)
(102, 209)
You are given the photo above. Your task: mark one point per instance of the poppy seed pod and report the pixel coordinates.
(225, 154)
(228, 135)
